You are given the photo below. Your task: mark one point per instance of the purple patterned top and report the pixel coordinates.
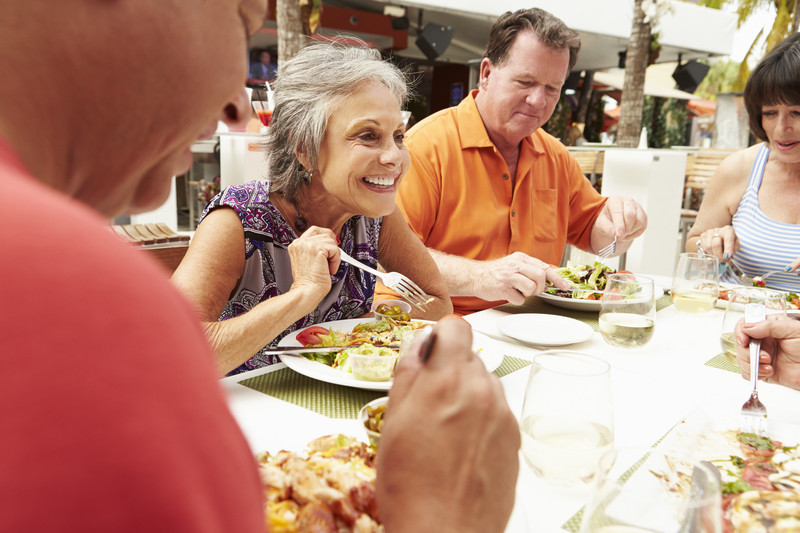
(267, 268)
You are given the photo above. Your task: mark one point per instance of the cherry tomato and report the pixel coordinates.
(311, 335)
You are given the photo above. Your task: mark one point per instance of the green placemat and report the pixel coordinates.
(334, 401)
(537, 305)
(725, 362)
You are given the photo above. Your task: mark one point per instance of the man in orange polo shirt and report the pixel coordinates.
(493, 197)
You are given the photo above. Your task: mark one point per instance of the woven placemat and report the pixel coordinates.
(537, 305)
(328, 399)
(725, 362)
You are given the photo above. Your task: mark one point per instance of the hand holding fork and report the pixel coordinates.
(753, 417)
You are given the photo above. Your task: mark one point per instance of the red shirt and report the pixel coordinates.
(112, 414)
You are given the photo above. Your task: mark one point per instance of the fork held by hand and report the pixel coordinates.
(609, 250)
(395, 281)
(753, 417)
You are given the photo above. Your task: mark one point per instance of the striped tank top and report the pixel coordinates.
(765, 244)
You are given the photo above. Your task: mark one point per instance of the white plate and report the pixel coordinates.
(584, 305)
(544, 330)
(486, 348)
(723, 304)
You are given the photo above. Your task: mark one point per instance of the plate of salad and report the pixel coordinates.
(591, 279)
(332, 367)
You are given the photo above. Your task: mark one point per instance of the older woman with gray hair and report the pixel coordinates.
(265, 260)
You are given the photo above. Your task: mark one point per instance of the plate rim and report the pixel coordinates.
(588, 331)
(322, 372)
(585, 305)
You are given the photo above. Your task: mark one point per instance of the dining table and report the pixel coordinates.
(682, 371)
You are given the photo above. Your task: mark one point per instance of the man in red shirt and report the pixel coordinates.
(495, 198)
(112, 416)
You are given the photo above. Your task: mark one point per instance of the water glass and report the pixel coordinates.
(774, 302)
(647, 490)
(628, 310)
(695, 285)
(567, 417)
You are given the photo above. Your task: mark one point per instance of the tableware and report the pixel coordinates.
(371, 417)
(372, 368)
(743, 278)
(580, 304)
(636, 492)
(759, 280)
(628, 310)
(394, 281)
(396, 309)
(263, 100)
(317, 349)
(544, 330)
(487, 350)
(695, 285)
(609, 250)
(753, 417)
(567, 419)
(774, 301)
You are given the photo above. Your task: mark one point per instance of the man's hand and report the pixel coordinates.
(621, 218)
(448, 457)
(513, 278)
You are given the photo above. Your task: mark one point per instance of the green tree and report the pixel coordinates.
(721, 78)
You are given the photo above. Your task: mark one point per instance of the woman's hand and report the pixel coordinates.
(719, 242)
(779, 360)
(315, 258)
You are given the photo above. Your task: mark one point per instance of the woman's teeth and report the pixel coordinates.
(382, 182)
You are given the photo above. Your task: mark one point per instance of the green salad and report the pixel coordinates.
(589, 277)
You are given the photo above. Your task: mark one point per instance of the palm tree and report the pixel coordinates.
(297, 19)
(636, 59)
(787, 18)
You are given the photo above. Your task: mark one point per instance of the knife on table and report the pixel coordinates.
(319, 349)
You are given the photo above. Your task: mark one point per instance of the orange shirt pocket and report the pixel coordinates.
(544, 215)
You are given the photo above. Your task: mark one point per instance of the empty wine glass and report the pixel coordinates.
(567, 416)
(695, 285)
(774, 302)
(627, 310)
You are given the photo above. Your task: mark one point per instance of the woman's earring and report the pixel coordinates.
(307, 177)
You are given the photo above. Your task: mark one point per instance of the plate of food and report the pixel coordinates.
(792, 298)
(333, 367)
(759, 476)
(591, 280)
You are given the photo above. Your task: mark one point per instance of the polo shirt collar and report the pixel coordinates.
(477, 137)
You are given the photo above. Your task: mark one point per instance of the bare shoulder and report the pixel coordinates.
(736, 167)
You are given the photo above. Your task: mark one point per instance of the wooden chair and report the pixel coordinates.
(158, 240)
(591, 162)
(700, 167)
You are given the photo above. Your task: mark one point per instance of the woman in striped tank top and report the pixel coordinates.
(751, 211)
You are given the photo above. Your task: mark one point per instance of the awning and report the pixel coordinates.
(658, 81)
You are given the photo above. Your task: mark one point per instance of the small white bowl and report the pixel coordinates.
(364, 417)
(404, 307)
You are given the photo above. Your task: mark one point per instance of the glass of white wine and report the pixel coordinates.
(695, 285)
(774, 302)
(627, 310)
(648, 490)
(567, 417)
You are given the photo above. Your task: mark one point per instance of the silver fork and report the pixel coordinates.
(753, 417)
(609, 250)
(395, 281)
(768, 274)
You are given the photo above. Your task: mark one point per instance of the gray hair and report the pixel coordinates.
(307, 88)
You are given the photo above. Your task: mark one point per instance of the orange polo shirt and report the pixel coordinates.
(459, 199)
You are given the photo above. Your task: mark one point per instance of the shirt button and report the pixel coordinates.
(513, 213)
(505, 176)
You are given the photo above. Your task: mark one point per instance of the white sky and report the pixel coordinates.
(747, 33)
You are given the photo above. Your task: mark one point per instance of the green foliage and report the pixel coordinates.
(665, 120)
(595, 120)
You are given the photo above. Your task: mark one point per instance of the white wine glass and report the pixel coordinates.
(628, 310)
(774, 302)
(567, 417)
(648, 490)
(695, 285)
